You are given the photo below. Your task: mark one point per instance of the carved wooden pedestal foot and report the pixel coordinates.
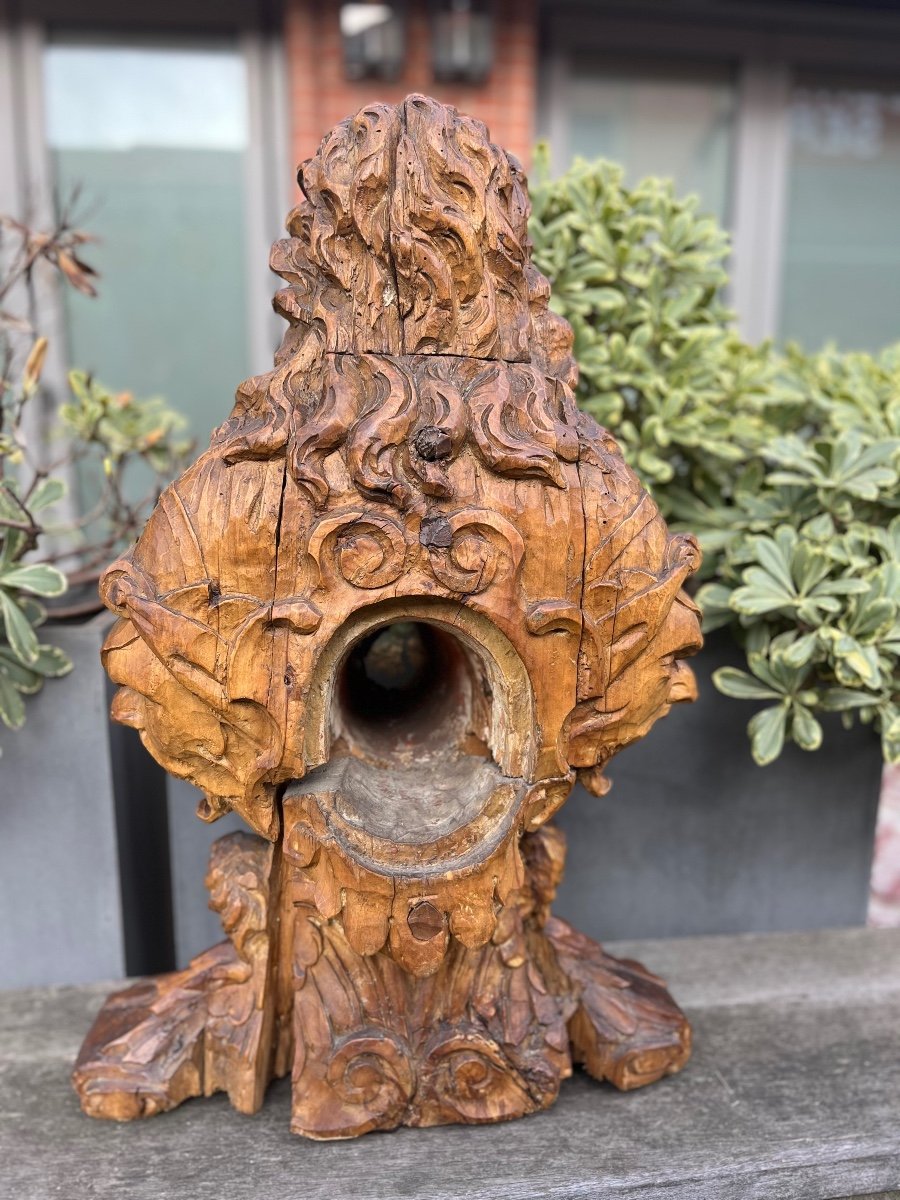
(407, 596)
(198, 1031)
(487, 1037)
(627, 1028)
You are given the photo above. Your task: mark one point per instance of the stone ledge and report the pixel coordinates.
(793, 1094)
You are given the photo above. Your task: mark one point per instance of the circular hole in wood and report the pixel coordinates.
(405, 688)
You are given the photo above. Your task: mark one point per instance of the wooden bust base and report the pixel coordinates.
(488, 1037)
(407, 596)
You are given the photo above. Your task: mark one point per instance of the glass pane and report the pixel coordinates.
(656, 124)
(842, 249)
(154, 139)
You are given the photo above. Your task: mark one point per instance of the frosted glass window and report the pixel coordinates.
(842, 247)
(679, 127)
(154, 139)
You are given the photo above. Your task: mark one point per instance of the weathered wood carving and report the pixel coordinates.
(406, 596)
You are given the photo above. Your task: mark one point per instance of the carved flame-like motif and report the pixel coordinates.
(416, 454)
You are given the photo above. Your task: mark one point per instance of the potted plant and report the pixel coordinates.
(786, 466)
(77, 865)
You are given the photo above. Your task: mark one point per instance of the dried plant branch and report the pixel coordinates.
(105, 433)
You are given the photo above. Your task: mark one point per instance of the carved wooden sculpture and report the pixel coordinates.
(406, 596)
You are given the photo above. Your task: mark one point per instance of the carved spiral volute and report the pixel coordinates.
(365, 550)
(372, 1070)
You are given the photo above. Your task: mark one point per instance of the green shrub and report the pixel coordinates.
(786, 465)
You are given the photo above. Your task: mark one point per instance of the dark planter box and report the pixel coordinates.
(196, 926)
(84, 864)
(695, 838)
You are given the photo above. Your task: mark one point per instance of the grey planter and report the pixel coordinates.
(84, 874)
(694, 838)
(101, 873)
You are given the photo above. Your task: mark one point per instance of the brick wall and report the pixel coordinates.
(321, 96)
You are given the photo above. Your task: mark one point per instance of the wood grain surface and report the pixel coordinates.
(407, 595)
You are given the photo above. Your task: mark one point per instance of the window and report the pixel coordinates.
(841, 263)
(746, 109)
(656, 122)
(153, 140)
